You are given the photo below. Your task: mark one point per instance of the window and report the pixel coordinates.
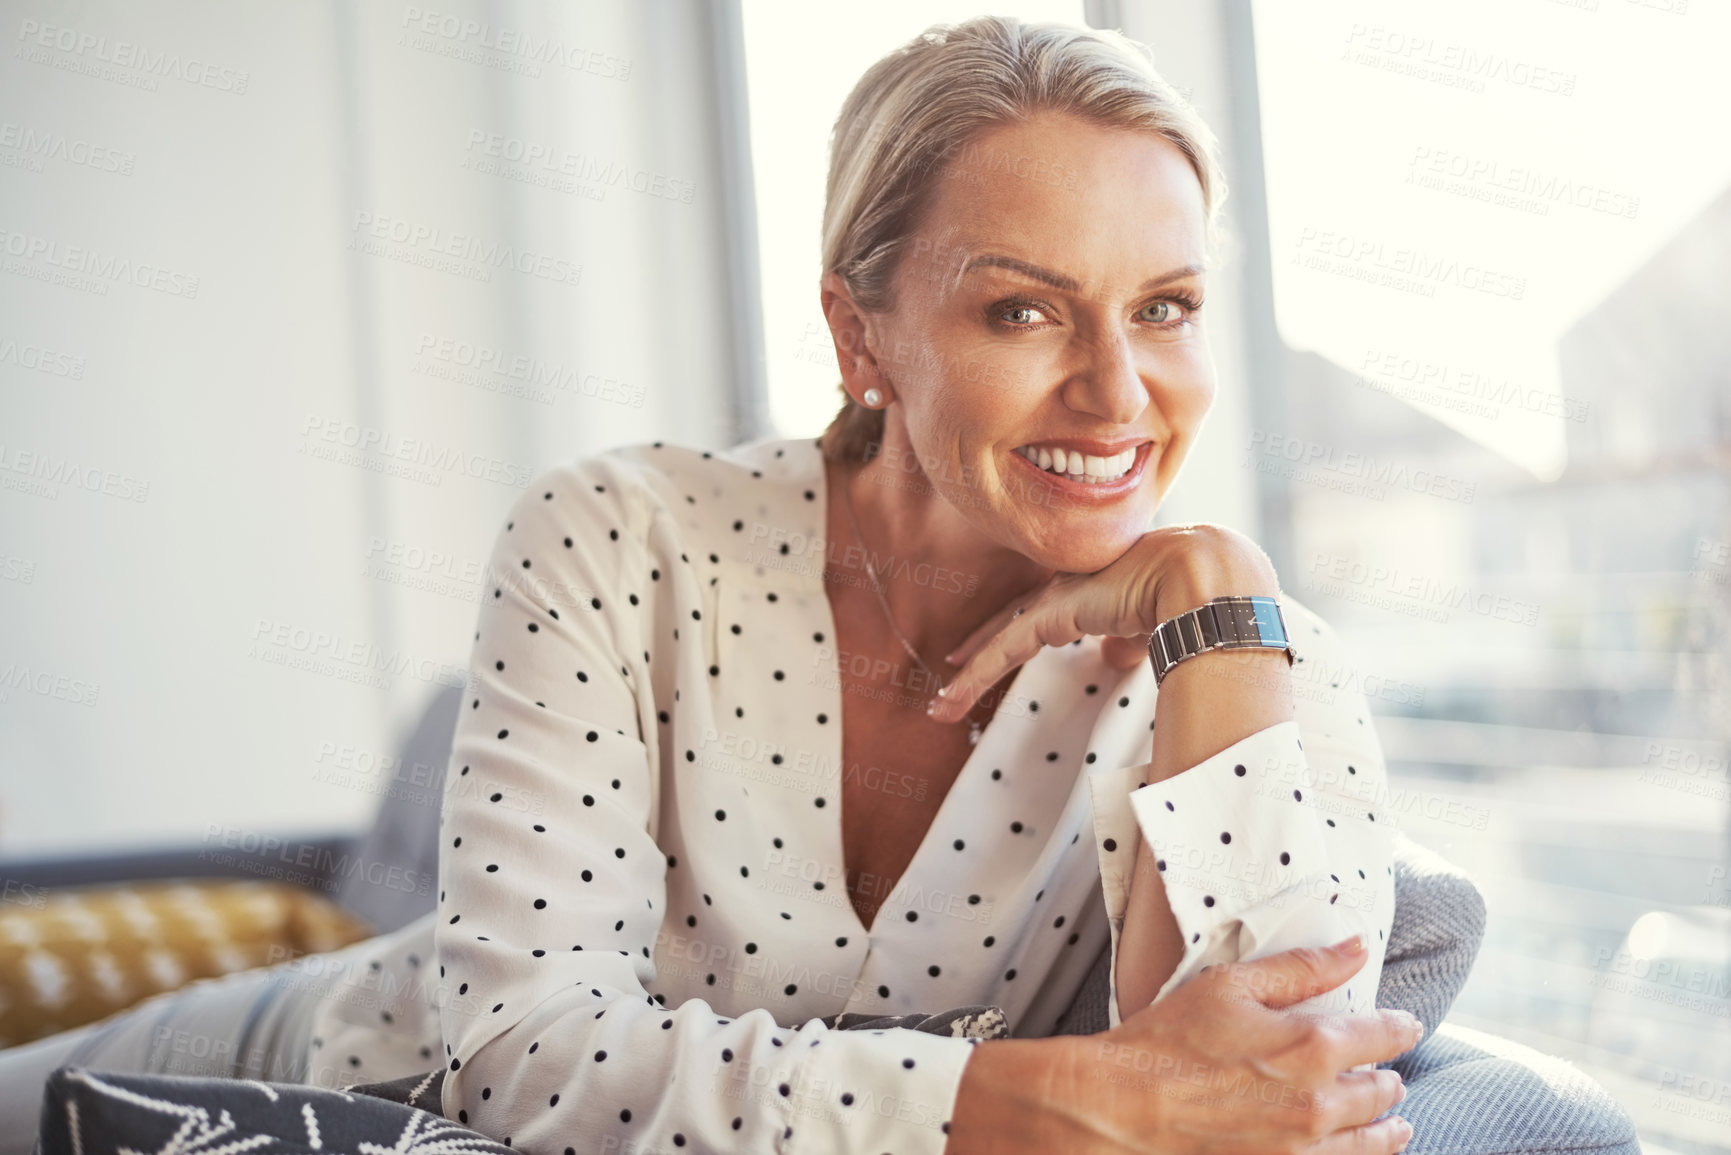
(1498, 238)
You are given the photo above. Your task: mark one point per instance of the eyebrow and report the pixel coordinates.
(1068, 284)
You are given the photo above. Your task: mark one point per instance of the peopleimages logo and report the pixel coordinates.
(323, 651)
(332, 864)
(1407, 267)
(1456, 65)
(812, 554)
(83, 261)
(41, 145)
(50, 472)
(1416, 594)
(579, 166)
(46, 683)
(1436, 381)
(42, 360)
(375, 448)
(159, 63)
(1306, 456)
(539, 377)
(514, 42)
(1432, 167)
(370, 230)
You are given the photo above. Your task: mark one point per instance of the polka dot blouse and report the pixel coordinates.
(643, 912)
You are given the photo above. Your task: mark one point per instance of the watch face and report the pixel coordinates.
(1238, 620)
(1269, 626)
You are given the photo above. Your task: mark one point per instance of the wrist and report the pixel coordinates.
(1187, 592)
(1003, 1102)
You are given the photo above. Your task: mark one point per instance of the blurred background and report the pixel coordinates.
(297, 298)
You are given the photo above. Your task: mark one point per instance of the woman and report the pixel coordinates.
(699, 804)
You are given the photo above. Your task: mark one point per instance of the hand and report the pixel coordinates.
(1165, 573)
(1215, 1067)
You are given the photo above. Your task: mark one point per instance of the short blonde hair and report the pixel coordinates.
(922, 105)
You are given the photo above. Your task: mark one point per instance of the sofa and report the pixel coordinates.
(1468, 1092)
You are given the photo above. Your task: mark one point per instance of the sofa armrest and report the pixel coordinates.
(1439, 922)
(311, 863)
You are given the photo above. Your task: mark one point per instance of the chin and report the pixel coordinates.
(1078, 541)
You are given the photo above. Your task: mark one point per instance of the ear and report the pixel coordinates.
(850, 330)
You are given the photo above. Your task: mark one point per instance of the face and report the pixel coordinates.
(1046, 351)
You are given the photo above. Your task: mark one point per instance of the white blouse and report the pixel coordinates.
(643, 910)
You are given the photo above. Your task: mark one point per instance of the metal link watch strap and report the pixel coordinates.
(1229, 623)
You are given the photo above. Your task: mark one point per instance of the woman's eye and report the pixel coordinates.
(1021, 315)
(1164, 311)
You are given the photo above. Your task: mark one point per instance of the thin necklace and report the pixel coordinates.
(974, 727)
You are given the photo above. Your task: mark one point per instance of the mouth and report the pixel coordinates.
(1085, 466)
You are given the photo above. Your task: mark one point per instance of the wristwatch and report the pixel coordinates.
(1230, 623)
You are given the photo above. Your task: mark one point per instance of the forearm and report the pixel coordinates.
(1209, 702)
(1149, 945)
(1206, 704)
(1002, 1102)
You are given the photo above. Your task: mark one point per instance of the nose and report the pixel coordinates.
(1107, 385)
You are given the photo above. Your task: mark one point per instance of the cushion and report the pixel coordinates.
(411, 1090)
(1470, 1093)
(405, 830)
(86, 1112)
(79, 955)
(961, 1023)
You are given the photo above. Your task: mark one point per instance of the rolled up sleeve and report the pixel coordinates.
(1262, 848)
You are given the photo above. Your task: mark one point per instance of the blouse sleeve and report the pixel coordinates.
(1279, 841)
(552, 887)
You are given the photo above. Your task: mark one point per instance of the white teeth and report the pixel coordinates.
(1078, 466)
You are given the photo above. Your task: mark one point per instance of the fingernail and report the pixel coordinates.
(942, 690)
(1401, 1098)
(1353, 945)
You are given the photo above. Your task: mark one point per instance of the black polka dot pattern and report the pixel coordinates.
(626, 806)
(1256, 838)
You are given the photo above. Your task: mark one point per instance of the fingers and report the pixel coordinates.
(960, 655)
(1383, 1137)
(1280, 980)
(1377, 1038)
(1356, 1098)
(1020, 639)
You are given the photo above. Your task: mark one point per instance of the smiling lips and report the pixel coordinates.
(1087, 468)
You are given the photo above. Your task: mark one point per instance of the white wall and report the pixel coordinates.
(163, 512)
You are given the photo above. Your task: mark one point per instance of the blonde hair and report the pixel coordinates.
(925, 102)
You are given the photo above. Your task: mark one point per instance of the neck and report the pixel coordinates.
(941, 576)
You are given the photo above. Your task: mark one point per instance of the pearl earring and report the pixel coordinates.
(872, 398)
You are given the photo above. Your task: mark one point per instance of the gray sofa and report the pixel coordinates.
(1468, 1093)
